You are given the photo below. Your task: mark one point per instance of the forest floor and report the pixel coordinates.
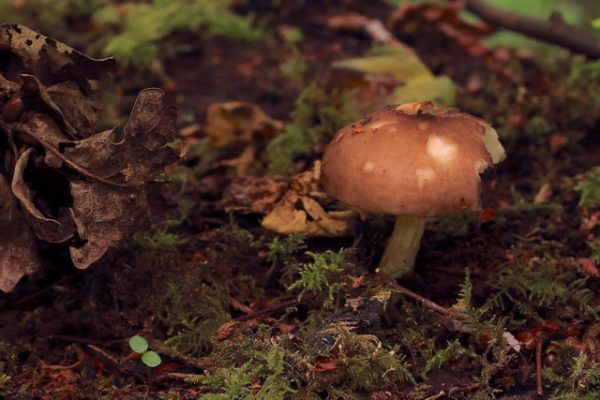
(237, 311)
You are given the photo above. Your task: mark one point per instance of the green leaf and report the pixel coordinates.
(138, 344)
(151, 359)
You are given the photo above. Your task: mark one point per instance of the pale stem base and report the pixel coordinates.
(402, 247)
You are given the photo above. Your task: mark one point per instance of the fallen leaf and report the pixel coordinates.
(69, 183)
(393, 76)
(52, 230)
(253, 194)
(487, 214)
(238, 121)
(18, 250)
(299, 212)
(325, 363)
(104, 215)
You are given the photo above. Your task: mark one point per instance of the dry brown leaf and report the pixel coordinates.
(52, 230)
(238, 121)
(104, 215)
(18, 250)
(300, 212)
(70, 184)
(253, 194)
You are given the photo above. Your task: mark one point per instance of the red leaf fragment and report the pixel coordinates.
(588, 266)
(487, 214)
(325, 363)
(225, 330)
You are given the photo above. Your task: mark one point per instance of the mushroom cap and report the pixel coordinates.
(411, 159)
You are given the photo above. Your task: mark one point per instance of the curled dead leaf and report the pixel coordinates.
(300, 212)
(52, 230)
(18, 250)
(69, 183)
(253, 194)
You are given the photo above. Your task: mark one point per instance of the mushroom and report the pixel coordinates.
(413, 161)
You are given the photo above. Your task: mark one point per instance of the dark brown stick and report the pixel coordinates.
(539, 341)
(554, 30)
(278, 307)
(454, 314)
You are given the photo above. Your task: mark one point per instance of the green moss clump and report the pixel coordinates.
(538, 291)
(578, 380)
(324, 275)
(589, 188)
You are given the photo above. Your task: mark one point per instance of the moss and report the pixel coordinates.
(316, 117)
(589, 188)
(579, 379)
(325, 275)
(539, 290)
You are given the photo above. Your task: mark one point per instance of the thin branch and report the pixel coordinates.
(270, 310)
(554, 30)
(539, 341)
(454, 314)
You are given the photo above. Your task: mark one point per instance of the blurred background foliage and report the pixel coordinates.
(580, 13)
(135, 32)
(139, 32)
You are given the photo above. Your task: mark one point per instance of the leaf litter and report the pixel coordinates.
(104, 176)
(222, 305)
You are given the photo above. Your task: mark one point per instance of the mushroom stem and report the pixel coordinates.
(402, 247)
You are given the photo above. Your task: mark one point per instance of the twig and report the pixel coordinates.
(273, 309)
(454, 314)
(539, 341)
(178, 375)
(436, 396)
(554, 30)
(76, 364)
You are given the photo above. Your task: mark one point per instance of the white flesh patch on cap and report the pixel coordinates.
(423, 175)
(493, 145)
(441, 149)
(369, 166)
(376, 124)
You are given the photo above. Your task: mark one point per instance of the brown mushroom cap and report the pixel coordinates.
(411, 159)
